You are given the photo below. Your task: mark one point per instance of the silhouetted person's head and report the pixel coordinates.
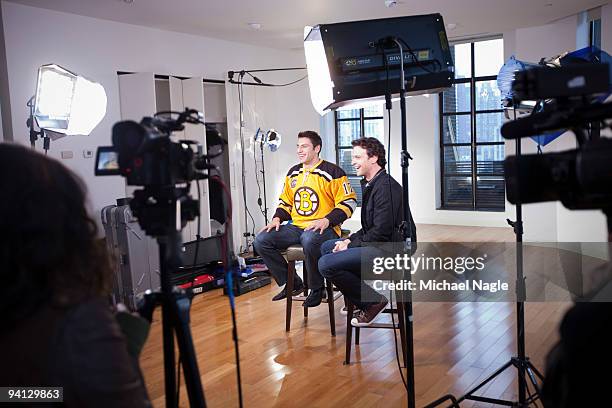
(49, 252)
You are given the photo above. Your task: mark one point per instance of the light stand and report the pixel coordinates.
(521, 362)
(272, 139)
(263, 175)
(406, 229)
(34, 135)
(246, 234)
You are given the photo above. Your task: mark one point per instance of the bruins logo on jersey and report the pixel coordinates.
(306, 201)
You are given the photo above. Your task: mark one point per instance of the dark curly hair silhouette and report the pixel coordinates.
(49, 252)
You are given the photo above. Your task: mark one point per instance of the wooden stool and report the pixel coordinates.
(296, 253)
(349, 328)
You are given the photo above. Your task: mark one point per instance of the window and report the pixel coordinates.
(471, 146)
(353, 124)
(595, 33)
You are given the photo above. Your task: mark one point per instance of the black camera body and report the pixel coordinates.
(580, 178)
(146, 156)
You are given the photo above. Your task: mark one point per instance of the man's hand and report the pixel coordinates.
(341, 245)
(275, 224)
(320, 224)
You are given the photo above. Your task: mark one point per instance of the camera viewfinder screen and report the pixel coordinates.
(107, 162)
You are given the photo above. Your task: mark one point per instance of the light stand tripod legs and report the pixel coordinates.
(407, 312)
(521, 361)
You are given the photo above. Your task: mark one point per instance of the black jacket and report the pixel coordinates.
(80, 348)
(381, 212)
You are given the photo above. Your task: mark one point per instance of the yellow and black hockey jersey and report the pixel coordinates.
(320, 191)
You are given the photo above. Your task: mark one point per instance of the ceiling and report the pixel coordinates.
(282, 21)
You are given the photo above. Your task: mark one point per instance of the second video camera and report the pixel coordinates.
(571, 96)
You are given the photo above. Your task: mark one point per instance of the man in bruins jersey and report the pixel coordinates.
(317, 197)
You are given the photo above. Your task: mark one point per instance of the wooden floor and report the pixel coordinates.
(456, 346)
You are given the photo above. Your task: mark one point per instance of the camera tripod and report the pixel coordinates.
(526, 370)
(157, 212)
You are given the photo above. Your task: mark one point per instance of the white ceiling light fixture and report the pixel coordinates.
(255, 26)
(67, 103)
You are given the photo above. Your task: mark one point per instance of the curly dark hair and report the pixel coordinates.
(373, 147)
(49, 252)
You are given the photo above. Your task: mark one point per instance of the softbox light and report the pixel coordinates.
(67, 103)
(358, 61)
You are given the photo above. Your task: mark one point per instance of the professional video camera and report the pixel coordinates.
(581, 179)
(146, 156)
(570, 98)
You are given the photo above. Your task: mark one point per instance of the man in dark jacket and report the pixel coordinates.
(381, 217)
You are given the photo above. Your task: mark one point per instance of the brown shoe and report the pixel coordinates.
(367, 316)
(344, 311)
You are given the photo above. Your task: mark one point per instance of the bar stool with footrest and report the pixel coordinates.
(296, 253)
(399, 323)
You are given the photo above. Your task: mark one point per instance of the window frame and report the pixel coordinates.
(474, 144)
(351, 175)
(595, 33)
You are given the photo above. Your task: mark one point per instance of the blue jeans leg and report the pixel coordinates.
(311, 241)
(269, 246)
(344, 270)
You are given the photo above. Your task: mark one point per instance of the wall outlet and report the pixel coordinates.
(88, 154)
(67, 154)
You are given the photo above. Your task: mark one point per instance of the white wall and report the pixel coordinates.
(98, 49)
(288, 110)
(214, 101)
(606, 28)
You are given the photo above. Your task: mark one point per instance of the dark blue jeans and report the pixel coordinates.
(344, 270)
(269, 246)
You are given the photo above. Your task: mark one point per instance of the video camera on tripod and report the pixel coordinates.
(146, 156)
(581, 179)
